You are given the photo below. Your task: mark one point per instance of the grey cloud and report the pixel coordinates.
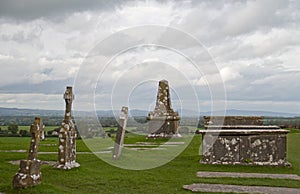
(215, 21)
(265, 82)
(253, 15)
(228, 28)
(47, 87)
(22, 37)
(33, 9)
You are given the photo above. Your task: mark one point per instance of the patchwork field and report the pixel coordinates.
(96, 176)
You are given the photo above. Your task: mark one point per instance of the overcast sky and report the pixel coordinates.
(255, 45)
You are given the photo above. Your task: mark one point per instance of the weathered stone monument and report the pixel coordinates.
(67, 136)
(163, 121)
(120, 133)
(242, 140)
(29, 172)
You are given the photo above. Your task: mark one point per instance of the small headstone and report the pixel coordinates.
(29, 173)
(120, 133)
(67, 137)
(163, 121)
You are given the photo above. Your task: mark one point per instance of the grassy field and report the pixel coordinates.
(96, 176)
(27, 128)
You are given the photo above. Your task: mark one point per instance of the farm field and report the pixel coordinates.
(96, 176)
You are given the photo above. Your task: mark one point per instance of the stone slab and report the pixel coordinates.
(203, 187)
(261, 127)
(247, 175)
(243, 131)
(12, 151)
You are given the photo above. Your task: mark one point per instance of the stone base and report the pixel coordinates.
(67, 165)
(29, 174)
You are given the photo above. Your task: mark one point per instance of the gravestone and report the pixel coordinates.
(120, 133)
(163, 121)
(244, 140)
(29, 172)
(67, 136)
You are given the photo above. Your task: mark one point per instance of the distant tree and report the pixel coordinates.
(24, 133)
(13, 128)
(183, 130)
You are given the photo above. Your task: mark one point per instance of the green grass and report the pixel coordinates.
(96, 176)
(27, 128)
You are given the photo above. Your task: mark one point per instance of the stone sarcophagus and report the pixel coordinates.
(233, 120)
(243, 142)
(163, 121)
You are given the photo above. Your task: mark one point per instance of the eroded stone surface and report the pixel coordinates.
(243, 144)
(233, 120)
(120, 133)
(163, 121)
(29, 173)
(67, 136)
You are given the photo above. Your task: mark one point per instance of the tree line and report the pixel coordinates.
(12, 123)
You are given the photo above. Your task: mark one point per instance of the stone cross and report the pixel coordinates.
(163, 120)
(29, 173)
(67, 136)
(120, 133)
(35, 131)
(69, 97)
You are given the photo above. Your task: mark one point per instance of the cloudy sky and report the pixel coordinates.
(253, 45)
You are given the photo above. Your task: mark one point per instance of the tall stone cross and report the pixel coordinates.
(69, 97)
(120, 133)
(29, 173)
(67, 136)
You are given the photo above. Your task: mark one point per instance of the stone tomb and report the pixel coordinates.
(29, 172)
(163, 121)
(244, 140)
(120, 133)
(233, 120)
(67, 137)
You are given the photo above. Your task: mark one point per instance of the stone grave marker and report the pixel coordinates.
(163, 121)
(29, 172)
(67, 136)
(120, 133)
